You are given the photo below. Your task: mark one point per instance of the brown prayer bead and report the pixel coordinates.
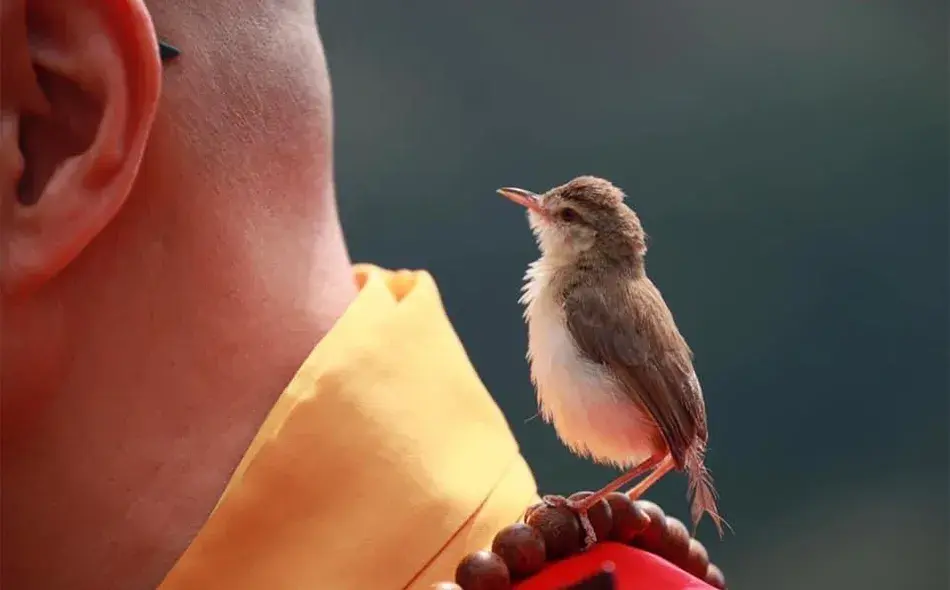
(677, 538)
(521, 547)
(629, 519)
(560, 529)
(482, 570)
(530, 509)
(653, 538)
(697, 559)
(599, 515)
(715, 578)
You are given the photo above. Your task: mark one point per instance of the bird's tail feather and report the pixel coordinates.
(702, 491)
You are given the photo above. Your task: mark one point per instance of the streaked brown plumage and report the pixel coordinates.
(612, 371)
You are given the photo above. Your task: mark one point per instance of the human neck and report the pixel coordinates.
(129, 456)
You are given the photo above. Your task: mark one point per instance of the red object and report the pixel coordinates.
(634, 569)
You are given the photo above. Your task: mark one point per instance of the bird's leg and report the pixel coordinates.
(581, 507)
(665, 466)
(591, 500)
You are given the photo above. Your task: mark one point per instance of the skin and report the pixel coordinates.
(155, 302)
(171, 254)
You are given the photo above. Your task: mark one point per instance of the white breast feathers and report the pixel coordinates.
(591, 414)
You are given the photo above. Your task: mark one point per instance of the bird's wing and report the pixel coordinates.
(647, 355)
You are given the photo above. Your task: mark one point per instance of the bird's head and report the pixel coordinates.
(586, 216)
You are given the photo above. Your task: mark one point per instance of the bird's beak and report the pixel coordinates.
(522, 197)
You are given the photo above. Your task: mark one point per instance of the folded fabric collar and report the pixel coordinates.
(383, 462)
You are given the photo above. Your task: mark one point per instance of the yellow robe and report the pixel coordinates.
(384, 461)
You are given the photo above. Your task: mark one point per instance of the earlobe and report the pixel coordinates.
(98, 67)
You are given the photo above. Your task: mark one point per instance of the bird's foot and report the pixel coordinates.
(590, 537)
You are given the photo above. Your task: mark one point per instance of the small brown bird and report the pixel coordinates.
(611, 369)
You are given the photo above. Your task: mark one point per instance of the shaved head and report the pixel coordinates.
(171, 254)
(250, 71)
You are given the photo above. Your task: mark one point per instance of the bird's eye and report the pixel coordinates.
(567, 215)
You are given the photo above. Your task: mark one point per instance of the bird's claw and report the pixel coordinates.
(590, 537)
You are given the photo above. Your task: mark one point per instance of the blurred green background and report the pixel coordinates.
(789, 161)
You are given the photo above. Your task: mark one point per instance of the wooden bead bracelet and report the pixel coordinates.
(548, 534)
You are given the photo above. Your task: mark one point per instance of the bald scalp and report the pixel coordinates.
(249, 70)
(172, 13)
(218, 242)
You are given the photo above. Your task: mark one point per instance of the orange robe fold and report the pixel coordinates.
(382, 464)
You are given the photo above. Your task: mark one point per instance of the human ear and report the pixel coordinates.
(81, 87)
